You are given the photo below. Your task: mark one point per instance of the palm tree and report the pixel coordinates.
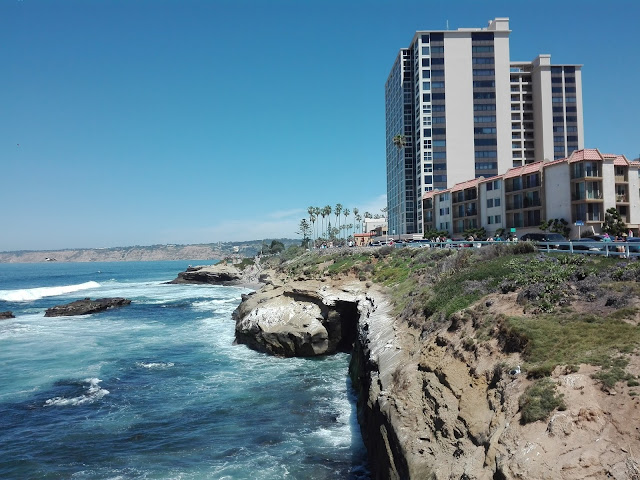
(316, 212)
(337, 211)
(346, 217)
(326, 211)
(312, 217)
(355, 216)
(358, 219)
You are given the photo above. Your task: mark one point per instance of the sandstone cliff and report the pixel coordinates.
(444, 402)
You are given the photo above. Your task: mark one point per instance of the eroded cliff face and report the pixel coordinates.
(434, 405)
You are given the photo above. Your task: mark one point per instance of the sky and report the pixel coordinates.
(146, 122)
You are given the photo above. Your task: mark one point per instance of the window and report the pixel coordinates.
(489, 203)
(570, 89)
(572, 128)
(484, 119)
(439, 143)
(426, 132)
(425, 50)
(426, 97)
(436, 61)
(437, 49)
(438, 96)
(556, 69)
(482, 49)
(424, 38)
(437, 73)
(426, 73)
(556, 79)
(482, 142)
(483, 95)
(571, 109)
(496, 201)
(440, 178)
(483, 60)
(558, 139)
(569, 80)
(439, 120)
(444, 211)
(439, 156)
(425, 62)
(486, 165)
(559, 129)
(484, 130)
(428, 179)
(481, 36)
(486, 154)
(426, 85)
(437, 84)
(438, 108)
(572, 118)
(556, 100)
(439, 131)
(483, 72)
(572, 138)
(558, 119)
(488, 106)
(556, 89)
(570, 99)
(484, 84)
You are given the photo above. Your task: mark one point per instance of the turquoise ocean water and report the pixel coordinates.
(157, 390)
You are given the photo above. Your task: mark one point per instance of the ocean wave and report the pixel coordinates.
(30, 294)
(93, 393)
(155, 365)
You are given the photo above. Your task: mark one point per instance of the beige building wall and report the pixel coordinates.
(459, 112)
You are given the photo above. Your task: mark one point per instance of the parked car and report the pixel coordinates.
(588, 243)
(634, 244)
(546, 237)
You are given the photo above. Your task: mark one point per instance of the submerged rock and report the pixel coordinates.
(86, 306)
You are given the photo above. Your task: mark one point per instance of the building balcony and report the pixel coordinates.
(586, 196)
(621, 179)
(622, 199)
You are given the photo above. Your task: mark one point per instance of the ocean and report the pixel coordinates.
(157, 389)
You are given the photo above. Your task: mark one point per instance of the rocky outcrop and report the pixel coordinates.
(6, 315)
(303, 318)
(437, 404)
(86, 306)
(218, 274)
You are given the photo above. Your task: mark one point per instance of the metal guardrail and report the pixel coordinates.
(607, 249)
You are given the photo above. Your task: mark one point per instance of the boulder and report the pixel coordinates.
(6, 315)
(86, 306)
(219, 274)
(299, 320)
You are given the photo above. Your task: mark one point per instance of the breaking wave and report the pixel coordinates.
(92, 393)
(29, 294)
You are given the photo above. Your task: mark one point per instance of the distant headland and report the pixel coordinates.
(137, 253)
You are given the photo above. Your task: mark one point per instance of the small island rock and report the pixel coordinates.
(6, 315)
(86, 306)
(218, 274)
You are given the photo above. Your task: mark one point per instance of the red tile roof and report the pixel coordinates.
(468, 184)
(524, 170)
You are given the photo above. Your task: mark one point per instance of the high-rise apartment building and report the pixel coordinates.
(462, 109)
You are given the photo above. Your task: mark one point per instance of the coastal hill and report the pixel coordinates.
(208, 251)
(491, 363)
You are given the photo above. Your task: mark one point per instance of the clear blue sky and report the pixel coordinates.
(144, 122)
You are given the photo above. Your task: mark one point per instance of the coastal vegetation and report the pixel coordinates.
(560, 311)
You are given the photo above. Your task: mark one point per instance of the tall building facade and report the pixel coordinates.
(464, 110)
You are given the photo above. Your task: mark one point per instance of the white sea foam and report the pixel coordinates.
(30, 294)
(155, 365)
(93, 393)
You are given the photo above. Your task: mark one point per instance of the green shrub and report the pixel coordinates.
(539, 400)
